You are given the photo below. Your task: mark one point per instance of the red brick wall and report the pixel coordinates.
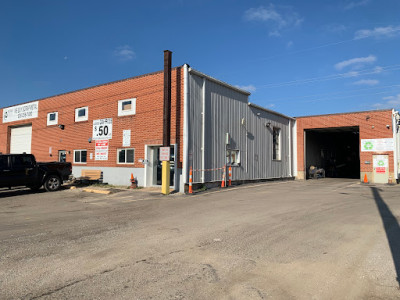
(373, 127)
(146, 125)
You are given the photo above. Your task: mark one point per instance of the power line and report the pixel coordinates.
(336, 93)
(333, 76)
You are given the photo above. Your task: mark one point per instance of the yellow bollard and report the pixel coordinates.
(165, 177)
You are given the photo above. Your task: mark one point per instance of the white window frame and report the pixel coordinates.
(125, 163)
(85, 117)
(129, 112)
(52, 122)
(279, 150)
(82, 163)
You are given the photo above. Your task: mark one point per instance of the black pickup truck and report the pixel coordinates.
(23, 170)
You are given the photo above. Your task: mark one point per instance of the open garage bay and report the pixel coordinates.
(320, 239)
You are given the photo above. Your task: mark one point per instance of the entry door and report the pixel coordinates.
(62, 156)
(22, 171)
(157, 167)
(381, 168)
(4, 171)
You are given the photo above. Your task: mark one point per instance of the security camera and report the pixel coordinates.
(387, 126)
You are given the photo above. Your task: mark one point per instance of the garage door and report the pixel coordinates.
(21, 140)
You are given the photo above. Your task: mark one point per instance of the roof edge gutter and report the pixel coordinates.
(195, 72)
(270, 111)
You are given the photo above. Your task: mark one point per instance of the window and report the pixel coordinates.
(80, 156)
(127, 107)
(81, 114)
(21, 162)
(52, 118)
(233, 157)
(276, 141)
(126, 156)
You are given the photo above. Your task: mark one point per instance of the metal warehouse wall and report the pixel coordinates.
(223, 109)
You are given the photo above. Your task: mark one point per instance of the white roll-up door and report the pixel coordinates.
(21, 139)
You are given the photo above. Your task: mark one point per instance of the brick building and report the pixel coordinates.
(117, 128)
(350, 145)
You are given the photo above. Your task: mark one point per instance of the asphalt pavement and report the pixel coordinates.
(320, 239)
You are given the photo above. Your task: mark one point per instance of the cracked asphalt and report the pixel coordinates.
(322, 239)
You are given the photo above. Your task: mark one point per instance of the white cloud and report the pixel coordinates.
(366, 82)
(276, 17)
(124, 53)
(352, 5)
(250, 87)
(355, 62)
(377, 32)
(378, 70)
(335, 28)
(390, 102)
(394, 100)
(351, 74)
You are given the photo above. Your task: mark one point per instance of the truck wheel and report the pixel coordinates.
(52, 183)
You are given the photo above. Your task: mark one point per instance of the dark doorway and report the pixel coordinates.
(336, 150)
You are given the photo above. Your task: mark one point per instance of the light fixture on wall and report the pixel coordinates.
(61, 126)
(267, 124)
(90, 140)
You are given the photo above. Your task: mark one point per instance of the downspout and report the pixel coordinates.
(203, 134)
(185, 124)
(290, 148)
(294, 138)
(395, 142)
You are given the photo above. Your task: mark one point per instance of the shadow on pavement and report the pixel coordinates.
(4, 193)
(392, 229)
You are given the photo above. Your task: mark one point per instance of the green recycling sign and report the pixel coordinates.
(368, 146)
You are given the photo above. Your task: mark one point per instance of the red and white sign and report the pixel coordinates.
(101, 150)
(381, 170)
(165, 153)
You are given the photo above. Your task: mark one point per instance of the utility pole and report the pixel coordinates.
(165, 150)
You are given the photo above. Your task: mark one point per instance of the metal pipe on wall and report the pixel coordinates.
(185, 122)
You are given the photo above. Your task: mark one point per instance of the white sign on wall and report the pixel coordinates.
(376, 145)
(101, 150)
(102, 129)
(381, 161)
(21, 112)
(126, 138)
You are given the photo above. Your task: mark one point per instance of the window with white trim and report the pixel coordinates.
(127, 107)
(80, 156)
(126, 156)
(81, 114)
(52, 118)
(276, 143)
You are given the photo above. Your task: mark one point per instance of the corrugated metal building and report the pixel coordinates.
(222, 123)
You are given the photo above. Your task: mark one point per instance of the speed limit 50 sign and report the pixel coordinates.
(102, 129)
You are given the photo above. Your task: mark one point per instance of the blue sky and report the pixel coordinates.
(295, 57)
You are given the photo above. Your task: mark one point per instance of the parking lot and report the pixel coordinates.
(321, 239)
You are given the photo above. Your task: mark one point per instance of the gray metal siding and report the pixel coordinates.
(224, 110)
